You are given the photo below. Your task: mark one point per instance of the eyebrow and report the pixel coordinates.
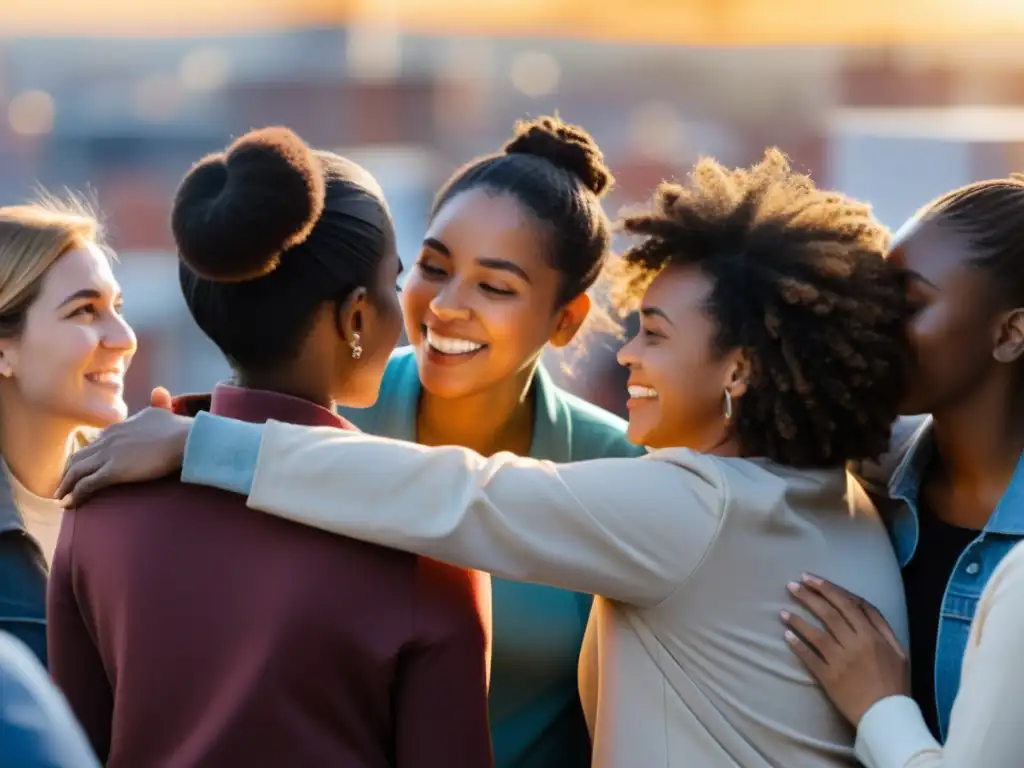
(488, 263)
(917, 277)
(85, 293)
(656, 312)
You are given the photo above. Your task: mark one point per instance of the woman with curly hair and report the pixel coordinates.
(771, 353)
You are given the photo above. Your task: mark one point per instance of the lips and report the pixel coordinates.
(110, 378)
(451, 345)
(637, 392)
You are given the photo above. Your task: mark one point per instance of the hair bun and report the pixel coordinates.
(237, 211)
(565, 146)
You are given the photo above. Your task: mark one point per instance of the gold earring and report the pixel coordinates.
(357, 349)
(728, 406)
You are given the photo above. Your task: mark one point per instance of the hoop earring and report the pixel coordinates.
(728, 406)
(357, 349)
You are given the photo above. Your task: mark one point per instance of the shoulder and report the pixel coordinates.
(596, 433)
(906, 434)
(450, 598)
(400, 381)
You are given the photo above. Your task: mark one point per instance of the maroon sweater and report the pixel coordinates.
(188, 631)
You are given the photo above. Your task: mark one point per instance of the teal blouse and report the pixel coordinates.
(536, 717)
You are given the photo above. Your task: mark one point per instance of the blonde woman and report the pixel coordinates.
(64, 348)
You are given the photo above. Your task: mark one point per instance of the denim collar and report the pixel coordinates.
(905, 486)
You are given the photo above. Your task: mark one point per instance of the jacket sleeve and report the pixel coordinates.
(627, 529)
(23, 592)
(984, 726)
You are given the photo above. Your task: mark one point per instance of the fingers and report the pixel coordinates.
(845, 603)
(161, 398)
(834, 621)
(883, 628)
(80, 468)
(89, 484)
(802, 646)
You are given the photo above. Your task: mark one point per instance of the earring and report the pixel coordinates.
(728, 406)
(357, 349)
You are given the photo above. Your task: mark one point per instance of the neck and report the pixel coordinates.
(286, 383)
(980, 441)
(497, 419)
(35, 447)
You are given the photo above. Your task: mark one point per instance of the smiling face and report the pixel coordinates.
(71, 356)
(480, 303)
(960, 318)
(677, 381)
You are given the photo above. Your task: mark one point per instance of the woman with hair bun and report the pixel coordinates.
(514, 241)
(186, 631)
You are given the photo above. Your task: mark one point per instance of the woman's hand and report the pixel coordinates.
(149, 445)
(857, 659)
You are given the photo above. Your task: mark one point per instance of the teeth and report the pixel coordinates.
(642, 392)
(105, 377)
(451, 346)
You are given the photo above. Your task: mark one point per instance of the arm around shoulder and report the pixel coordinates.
(628, 529)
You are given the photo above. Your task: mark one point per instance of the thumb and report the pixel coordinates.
(161, 398)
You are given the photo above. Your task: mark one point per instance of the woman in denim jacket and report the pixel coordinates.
(64, 348)
(954, 481)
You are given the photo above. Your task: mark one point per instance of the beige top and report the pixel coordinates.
(41, 516)
(988, 713)
(684, 663)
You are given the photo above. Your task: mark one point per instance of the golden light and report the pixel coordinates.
(31, 113)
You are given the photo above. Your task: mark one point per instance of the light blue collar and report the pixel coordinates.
(552, 422)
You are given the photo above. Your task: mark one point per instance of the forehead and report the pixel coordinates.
(480, 223)
(931, 249)
(82, 268)
(678, 291)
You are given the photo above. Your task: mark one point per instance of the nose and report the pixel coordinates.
(119, 335)
(447, 304)
(629, 354)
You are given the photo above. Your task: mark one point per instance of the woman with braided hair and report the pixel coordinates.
(955, 488)
(770, 355)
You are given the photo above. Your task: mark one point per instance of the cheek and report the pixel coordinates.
(516, 329)
(56, 364)
(415, 300)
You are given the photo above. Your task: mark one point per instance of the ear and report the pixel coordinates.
(738, 373)
(8, 357)
(570, 319)
(1009, 345)
(353, 316)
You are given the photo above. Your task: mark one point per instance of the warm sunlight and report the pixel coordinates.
(723, 22)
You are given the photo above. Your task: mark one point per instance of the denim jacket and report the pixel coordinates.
(914, 447)
(23, 575)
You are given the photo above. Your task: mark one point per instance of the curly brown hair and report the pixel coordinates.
(800, 283)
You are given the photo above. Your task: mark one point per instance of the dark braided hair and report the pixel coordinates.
(800, 283)
(991, 215)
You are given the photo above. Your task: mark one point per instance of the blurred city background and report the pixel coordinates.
(893, 103)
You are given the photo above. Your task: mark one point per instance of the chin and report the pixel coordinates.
(104, 416)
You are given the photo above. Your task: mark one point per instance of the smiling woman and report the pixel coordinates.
(64, 349)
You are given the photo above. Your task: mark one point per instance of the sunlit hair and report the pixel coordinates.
(800, 284)
(991, 215)
(32, 238)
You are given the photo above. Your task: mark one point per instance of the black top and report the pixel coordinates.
(925, 578)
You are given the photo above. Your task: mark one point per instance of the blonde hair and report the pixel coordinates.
(32, 238)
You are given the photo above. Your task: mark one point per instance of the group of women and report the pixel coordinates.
(707, 585)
